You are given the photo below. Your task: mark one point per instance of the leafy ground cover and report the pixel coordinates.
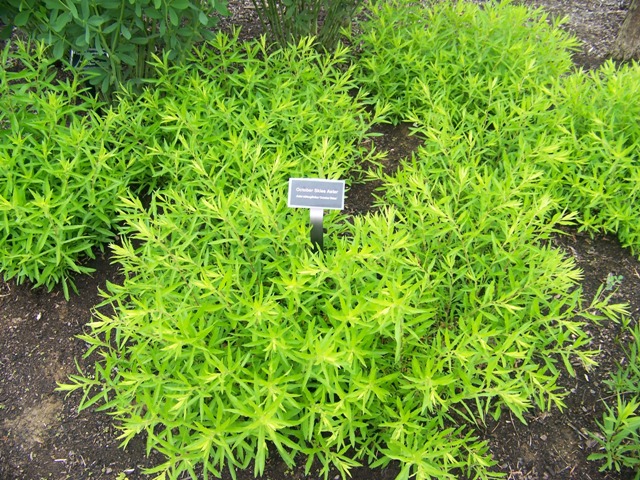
(402, 350)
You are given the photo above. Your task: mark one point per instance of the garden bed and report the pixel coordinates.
(42, 435)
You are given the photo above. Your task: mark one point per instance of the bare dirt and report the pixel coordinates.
(43, 436)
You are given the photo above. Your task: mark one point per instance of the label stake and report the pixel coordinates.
(315, 217)
(316, 195)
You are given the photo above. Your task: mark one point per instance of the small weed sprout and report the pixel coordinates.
(619, 435)
(613, 282)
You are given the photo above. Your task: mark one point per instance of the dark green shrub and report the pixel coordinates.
(117, 38)
(9, 9)
(291, 20)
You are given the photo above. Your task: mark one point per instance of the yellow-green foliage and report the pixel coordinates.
(62, 168)
(598, 116)
(445, 305)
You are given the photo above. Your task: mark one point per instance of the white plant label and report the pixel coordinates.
(316, 193)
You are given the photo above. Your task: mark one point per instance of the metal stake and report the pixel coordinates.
(315, 216)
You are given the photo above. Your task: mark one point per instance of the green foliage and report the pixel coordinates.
(291, 20)
(231, 110)
(499, 285)
(477, 83)
(478, 60)
(626, 380)
(229, 334)
(619, 436)
(60, 170)
(9, 9)
(117, 39)
(446, 305)
(598, 114)
(464, 76)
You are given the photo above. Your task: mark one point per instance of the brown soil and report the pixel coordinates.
(42, 435)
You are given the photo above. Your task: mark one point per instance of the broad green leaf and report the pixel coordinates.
(59, 22)
(173, 17)
(22, 18)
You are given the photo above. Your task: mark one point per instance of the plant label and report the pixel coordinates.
(316, 195)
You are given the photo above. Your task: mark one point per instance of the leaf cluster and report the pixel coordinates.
(246, 115)
(61, 166)
(115, 40)
(597, 114)
(291, 20)
(228, 335)
(468, 79)
(446, 306)
(619, 436)
(475, 60)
